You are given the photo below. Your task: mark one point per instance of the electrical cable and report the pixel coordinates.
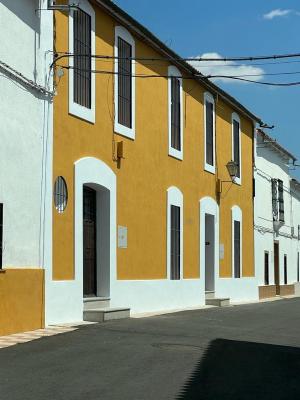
(200, 59)
(193, 76)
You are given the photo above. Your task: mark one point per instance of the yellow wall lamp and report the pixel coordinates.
(232, 168)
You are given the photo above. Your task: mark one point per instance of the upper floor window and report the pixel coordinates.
(175, 113)
(124, 83)
(82, 59)
(236, 145)
(209, 132)
(277, 200)
(81, 78)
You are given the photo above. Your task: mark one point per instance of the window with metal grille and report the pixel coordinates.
(209, 132)
(175, 113)
(237, 249)
(298, 232)
(82, 59)
(60, 194)
(124, 83)
(1, 235)
(266, 268)
(280, 200)
(274, 199)
(285, 270)
(236, 146)
(175, 243)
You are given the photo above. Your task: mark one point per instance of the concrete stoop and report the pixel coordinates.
(97, 309)
(218, 302)
(105, 314)
(211, 300)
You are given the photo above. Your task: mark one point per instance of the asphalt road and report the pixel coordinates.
(241, 352)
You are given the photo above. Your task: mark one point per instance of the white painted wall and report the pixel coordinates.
(25, 120)
(269, 164)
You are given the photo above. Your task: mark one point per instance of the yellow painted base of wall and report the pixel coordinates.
(21, 300)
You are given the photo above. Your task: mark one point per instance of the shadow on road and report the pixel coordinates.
(243, 370)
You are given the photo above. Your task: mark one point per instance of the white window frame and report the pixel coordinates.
(174, 198)
(236, 215)
(173, 71)
(208, 167)
(236, 118)
(87, 114)
(123, 33)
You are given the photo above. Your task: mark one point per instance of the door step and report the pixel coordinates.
(218, 302)
(105, 314)
(90, 303)
(209, 294)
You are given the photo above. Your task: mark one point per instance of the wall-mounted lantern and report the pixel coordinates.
(232, 169)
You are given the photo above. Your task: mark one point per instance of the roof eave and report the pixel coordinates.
(145, 34)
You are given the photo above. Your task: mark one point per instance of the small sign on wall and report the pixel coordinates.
(221, 251)
(122, 237)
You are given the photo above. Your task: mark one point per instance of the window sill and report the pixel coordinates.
(237, 181)
(86, 114)
(176, 154)
(124, 131)
(210, 168)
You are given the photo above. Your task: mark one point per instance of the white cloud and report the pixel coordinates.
(228, 68)
(278, 12)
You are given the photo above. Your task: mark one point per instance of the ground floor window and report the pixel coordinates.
(174, 233)
(266, 268)
(298, 267)
(236, 242)
(175, 242)
(285, 269)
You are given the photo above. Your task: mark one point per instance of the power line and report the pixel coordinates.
(200, 59)
(193, 76)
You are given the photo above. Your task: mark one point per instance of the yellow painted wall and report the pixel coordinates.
(21, 300)
(147, 171)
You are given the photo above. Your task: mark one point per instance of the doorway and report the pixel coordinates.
(209, 253)
(89, 242)
(276, 267)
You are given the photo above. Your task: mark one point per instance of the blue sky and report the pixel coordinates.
(236, 28)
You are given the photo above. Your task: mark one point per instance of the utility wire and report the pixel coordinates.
(191, 77)
(247, 58)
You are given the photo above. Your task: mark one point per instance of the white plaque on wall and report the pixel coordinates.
(122, 237)
(221, 251)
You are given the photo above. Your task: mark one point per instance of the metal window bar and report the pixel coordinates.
(266, 268)
(237, 249)
(285, 269)
(175, 243)
(124, 83)
(82, 65)
(209, 133)
(280, 200)
(60, 194)
(274, 199)
(175, 114)
(236, 146)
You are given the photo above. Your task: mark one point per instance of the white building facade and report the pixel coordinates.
(276, 220)
(26, 95)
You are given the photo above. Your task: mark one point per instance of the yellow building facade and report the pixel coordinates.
(114, 230)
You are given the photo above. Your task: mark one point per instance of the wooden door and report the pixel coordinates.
(276, 267)
(89, 242)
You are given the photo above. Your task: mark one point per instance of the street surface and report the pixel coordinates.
(241, 352)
